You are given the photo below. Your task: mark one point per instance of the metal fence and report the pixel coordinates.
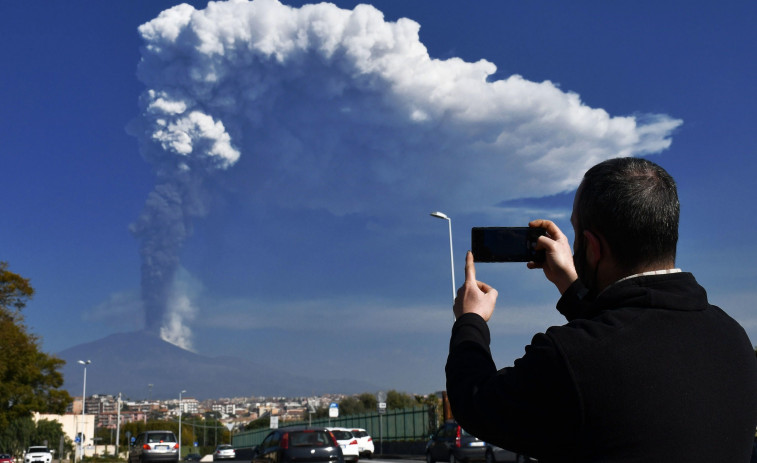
(405, 424)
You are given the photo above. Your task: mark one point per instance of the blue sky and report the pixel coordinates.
(308, 146)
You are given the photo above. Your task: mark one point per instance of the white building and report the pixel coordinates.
(227, 409)
(189, 405)
(73, 424)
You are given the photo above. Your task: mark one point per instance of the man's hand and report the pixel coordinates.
(558, 263)
(474, 296)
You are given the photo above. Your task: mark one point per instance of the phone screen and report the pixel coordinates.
(506, 244)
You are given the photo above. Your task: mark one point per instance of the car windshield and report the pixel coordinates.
(310, 439)
(37, 449)
(224, 447)
(160, 437)
(359, 433)
(341, 435)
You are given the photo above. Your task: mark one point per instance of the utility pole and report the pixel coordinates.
(118, 425)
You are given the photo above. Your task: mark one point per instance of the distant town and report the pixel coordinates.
(234, 413)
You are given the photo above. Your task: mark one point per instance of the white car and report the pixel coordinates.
(364, 442)
(38, 454)
(347, 442)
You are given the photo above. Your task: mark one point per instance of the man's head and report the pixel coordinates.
(630, 206)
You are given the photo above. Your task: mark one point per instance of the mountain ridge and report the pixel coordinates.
(129, 362)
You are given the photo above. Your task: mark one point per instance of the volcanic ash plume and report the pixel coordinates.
(341, 111)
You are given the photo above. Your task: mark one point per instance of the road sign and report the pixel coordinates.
(334, 410)
(381, 400)
(274, 422)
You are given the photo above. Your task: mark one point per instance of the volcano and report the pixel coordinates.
(128, 362)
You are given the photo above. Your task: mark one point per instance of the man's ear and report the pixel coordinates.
(593, 248)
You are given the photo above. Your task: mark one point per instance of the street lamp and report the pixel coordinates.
(83, 406)
(441, 215)
(180, 410)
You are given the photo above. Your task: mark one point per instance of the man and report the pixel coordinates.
(645, 370)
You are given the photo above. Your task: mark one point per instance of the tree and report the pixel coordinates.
(22, 433)
(52, 432)
(17, 436)
(29, 378)
(396, 400)
(369, 401)
(351, 406)
(260, 423)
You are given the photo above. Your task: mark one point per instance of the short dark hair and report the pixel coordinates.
(634, 204)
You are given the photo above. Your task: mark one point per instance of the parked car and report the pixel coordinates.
(38, 454)
(5, 458)
(496, 454)
(154, 446)
(224, 452)
(348, 442)
(193, 457)
(364, 442)
(298, 444)
(451, 443)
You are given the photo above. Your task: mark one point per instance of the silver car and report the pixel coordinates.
(224, 452)
(154, 446)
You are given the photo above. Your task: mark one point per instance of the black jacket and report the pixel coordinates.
(648, 372)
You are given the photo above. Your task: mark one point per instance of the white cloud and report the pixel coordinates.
(181, 310)
(341, 104)
(341, 111)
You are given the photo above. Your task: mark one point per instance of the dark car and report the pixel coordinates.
(452, 443)
(193, 457)
(298, 444)
(154, 446)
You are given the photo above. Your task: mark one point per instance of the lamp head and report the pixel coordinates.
(440, 215)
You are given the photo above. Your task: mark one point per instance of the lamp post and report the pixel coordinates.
(180, 411)
(441, 215)
(83, 407)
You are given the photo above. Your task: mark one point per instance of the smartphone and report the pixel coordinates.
(506, 244)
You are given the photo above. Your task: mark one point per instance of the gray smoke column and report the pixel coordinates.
(339, 110)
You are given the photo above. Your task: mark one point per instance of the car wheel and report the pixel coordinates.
(490, 457)
(452, 458)
(429, 459)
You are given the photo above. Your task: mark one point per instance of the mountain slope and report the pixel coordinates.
(129, 362)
